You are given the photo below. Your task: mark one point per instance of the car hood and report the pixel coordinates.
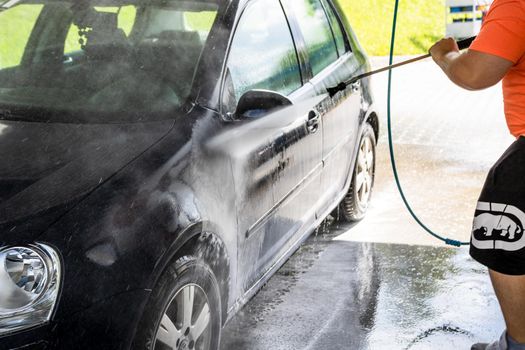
(46, 168)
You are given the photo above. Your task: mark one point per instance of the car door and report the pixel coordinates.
(283, 147)
(330, 62)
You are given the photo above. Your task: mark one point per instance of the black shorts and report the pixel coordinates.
(498, 240)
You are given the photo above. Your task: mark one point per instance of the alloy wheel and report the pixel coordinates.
(186, 323)
(364, 172)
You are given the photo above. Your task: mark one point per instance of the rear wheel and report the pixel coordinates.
(354, 205)
(184, 311)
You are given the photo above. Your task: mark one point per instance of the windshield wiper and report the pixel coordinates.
(20, 115)
(5, 114)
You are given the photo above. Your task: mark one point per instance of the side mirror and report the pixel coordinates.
(255, 103)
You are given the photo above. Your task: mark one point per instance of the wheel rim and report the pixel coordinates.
(186, 323)
(364, 172)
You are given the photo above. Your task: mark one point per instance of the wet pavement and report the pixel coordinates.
(335, 294)
(383, 283)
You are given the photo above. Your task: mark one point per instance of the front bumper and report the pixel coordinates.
(109, 324)
(32, 339)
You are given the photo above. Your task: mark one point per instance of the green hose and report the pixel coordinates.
(391, 145)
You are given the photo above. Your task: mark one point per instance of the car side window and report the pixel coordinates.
(336, 28)
(262, 54)
(316, 31)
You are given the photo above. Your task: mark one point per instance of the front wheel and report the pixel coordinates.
(354, 205)
(184, 311)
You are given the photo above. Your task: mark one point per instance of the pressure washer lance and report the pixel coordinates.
(462, 44)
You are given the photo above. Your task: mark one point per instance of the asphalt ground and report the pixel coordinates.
(383, 283)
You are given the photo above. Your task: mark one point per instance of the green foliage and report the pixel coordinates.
(420, 24)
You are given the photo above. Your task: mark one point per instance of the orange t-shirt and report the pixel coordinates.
(503, 34)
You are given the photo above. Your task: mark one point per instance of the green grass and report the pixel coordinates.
(201, 21)
(15, 28)
(420, 24)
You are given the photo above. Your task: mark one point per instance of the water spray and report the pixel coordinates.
(462, 44)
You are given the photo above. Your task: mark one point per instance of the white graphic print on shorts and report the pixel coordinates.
(498, 226)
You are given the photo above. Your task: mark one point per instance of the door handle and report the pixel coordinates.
(312, 124)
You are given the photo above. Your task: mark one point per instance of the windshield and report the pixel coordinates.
(99, 62)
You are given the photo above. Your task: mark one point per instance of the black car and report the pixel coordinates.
(161, 159)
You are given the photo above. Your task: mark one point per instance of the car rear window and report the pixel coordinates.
(316, 31)
(125, 20)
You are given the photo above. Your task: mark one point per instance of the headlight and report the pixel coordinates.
(29, 284)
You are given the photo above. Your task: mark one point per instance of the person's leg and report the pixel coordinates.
(510, 291)
(498, 242)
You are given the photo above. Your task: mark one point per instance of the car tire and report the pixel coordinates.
(355, 203)
(190, 285)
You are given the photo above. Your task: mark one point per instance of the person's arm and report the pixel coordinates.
(472, 70)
